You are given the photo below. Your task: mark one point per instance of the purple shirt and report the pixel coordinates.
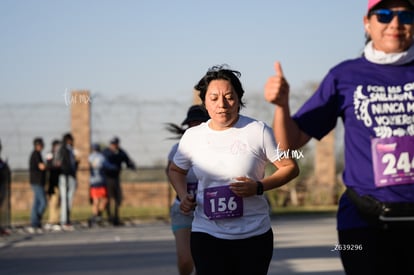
(374, 101)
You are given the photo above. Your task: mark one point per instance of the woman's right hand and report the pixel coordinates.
(277, 88)
(188, 204)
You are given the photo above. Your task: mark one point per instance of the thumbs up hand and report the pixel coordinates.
(277, 88)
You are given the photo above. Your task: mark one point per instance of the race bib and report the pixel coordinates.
(221, 203)
(393, 160)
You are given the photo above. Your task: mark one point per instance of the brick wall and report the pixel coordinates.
(142, 194)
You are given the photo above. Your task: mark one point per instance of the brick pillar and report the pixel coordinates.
(81, 131)
(323, 188)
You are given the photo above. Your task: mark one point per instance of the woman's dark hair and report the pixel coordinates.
(55, 142)
(67, 137)
(196, 114)
(175, 129)
(38, 141)
(221, 72)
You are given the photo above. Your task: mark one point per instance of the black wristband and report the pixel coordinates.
(259, 188)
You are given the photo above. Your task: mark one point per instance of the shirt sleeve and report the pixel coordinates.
(32, 162)
(319, 114)
(172, 152)
(125, 157)
(182, 157)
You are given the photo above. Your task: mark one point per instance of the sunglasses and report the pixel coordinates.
(385, 16)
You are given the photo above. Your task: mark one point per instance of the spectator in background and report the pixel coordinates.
(116, 156)
(53, 187)
(181, 223)
(5, 180)
(98, 185)
(67, 179)
(37, 182)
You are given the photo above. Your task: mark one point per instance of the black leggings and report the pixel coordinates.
(232, 257)
(377, 251)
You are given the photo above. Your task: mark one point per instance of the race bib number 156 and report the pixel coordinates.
(393, 160)
(221, 203)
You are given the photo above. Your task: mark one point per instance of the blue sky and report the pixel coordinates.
(160, 49)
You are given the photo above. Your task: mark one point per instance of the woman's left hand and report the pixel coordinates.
(244, 187)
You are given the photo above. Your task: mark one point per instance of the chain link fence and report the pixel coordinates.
(140, 125)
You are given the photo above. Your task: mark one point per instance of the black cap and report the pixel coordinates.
(96, 147)
(196, 113)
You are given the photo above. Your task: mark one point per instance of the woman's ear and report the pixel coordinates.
(366, 25)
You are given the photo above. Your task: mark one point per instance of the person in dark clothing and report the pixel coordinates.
(116, 156)
(37, 182)
(67, 180)
(98, 186)
(53, 187)
(5, 179)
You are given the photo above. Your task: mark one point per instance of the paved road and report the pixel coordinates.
(303, 245)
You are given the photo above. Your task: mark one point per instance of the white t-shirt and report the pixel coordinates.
(96, 161)
(217, 158)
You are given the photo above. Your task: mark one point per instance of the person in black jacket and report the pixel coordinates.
(116, 156)
(37, 182)
(67, 179)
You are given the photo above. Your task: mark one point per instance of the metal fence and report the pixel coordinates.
(140, 124)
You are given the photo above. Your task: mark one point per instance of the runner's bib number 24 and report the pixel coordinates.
(393, 160)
